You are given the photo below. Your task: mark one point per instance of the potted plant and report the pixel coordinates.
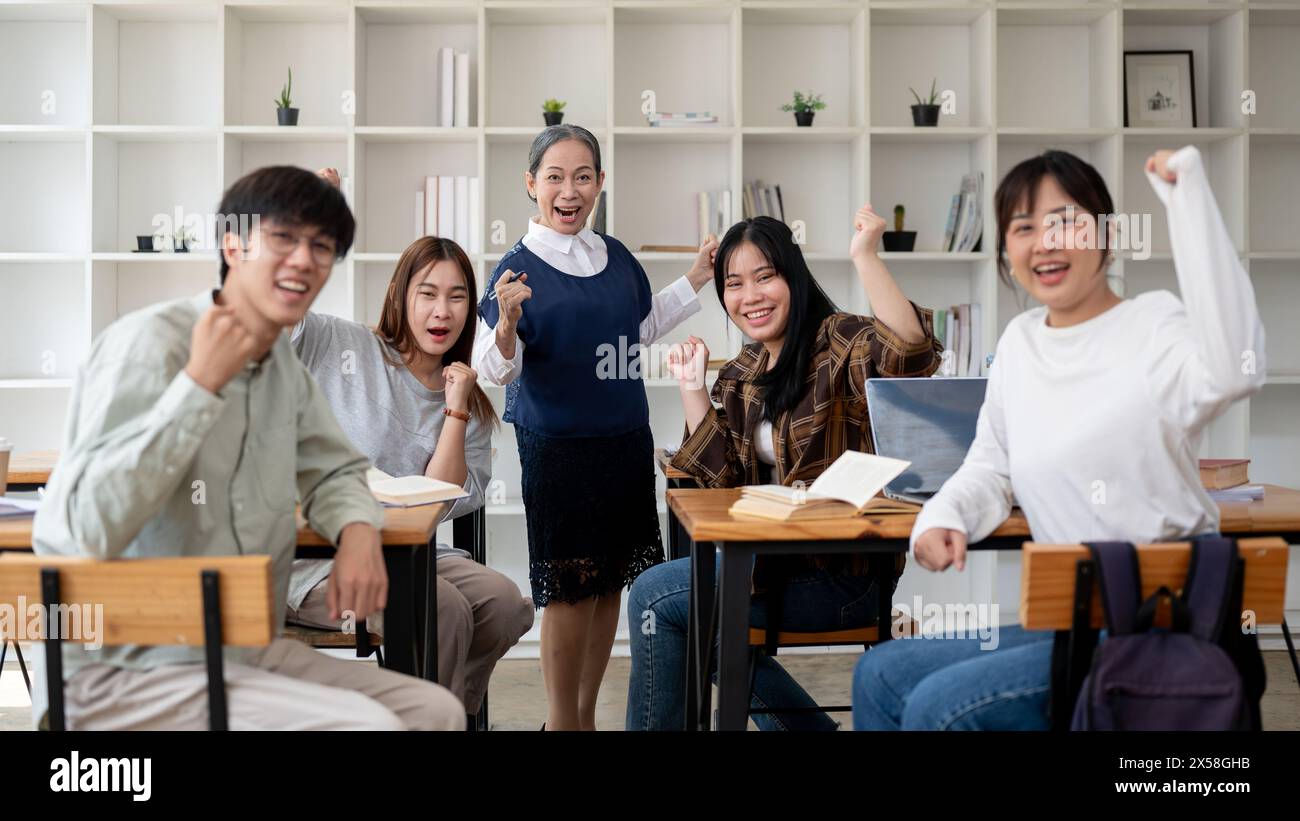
(804, 107)
(284, 111)
(144, 243)
(181, 241)
(553, 111)
(926, 112)
(898, 239)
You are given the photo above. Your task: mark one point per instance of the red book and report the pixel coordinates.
(1217, 474)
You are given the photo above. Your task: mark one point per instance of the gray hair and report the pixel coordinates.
(553, 134)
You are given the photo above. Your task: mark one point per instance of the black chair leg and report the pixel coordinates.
(1290, 647)
(22, 663)
(27, 679)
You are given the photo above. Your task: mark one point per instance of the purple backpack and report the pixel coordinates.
(1201, 673)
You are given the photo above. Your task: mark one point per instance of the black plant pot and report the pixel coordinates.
(803, 118)
(287, 116)
(899, 240)
(925, 115)
(144, 243)
(553, 117)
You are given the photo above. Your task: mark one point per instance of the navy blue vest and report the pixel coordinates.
(581, 364)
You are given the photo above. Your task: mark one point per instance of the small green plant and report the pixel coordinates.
(553, 106)
(898, 217)
(182, 238)
(934, 84)
(802, 103)
(284, 100)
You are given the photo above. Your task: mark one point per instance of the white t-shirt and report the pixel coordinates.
(1095, 429)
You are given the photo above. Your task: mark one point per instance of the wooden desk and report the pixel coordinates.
(410, 642)
(704, 519)
(677, 539)
(30, 470)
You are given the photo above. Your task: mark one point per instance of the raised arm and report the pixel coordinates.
(1213, 349)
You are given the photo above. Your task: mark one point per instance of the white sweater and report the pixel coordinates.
(1095, 429)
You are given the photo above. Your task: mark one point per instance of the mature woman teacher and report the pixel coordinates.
(583, 429)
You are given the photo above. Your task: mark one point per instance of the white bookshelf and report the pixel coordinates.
(112, 112)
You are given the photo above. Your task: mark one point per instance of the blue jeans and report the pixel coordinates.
(951, 684)
(657, 609)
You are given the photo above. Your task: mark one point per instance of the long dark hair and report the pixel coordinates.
(783, 385)
(394, 329)
(1077, 178)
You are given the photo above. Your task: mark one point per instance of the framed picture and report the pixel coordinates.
(1159, 89)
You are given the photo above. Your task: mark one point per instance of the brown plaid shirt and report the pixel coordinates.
(830, 418)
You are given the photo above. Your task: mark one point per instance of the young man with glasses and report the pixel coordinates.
(192, 430)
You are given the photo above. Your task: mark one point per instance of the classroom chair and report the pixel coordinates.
(771, 639)
(1058, 591)
(200, 601)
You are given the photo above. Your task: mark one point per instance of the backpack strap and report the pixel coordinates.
(1121, 584)
(1211, 582)
(1242, 647)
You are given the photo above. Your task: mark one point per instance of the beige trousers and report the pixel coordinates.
(481, 614)
(286, 686)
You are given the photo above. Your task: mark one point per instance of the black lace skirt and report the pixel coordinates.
(589, 504)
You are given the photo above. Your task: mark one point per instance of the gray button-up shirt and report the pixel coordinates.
(154, 465)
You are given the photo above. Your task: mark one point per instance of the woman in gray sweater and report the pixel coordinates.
(406, 397)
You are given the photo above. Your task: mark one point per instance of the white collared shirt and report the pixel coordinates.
(580, 255)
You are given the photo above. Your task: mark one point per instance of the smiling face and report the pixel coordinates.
(566, 186)
(281, 270)
(1058, 261)
(437, 307)
(756, 297)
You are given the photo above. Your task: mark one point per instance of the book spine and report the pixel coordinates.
(430, 206)
(446, 207)
(461, 114)
(952, 222)
(475, 218)
(460, 227)
(419, 214)
(446, 86)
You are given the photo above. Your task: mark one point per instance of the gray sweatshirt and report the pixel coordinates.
(386, 413)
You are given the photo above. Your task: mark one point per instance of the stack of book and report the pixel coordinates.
(960, 330)
(763, 201)
(850, 487)
(714, 213)
(966, 216)
(448, 207)
(664, 119)
(453, 89)
(1227, 480)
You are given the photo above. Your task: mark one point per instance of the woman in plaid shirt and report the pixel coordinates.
(791, 402)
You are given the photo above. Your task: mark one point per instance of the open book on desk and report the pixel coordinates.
(410, 491)
(849, 487)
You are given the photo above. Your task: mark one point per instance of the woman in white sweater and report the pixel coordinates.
(1092, 422)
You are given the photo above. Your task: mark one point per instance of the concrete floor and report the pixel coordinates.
(518, 699)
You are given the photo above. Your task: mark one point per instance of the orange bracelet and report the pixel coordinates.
(461, 415)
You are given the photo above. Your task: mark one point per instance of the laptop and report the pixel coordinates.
(930, 423)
